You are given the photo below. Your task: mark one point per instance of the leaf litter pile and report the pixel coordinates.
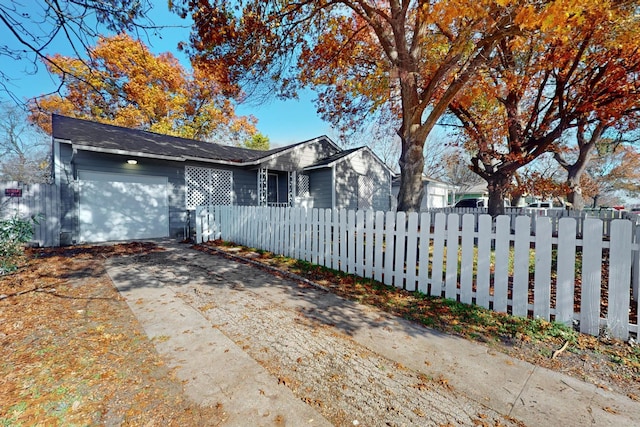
(74, 354)
(608, 363)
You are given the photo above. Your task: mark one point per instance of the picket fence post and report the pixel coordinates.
(369, 240)
(466, 260)
(423, 247)
(389, 232)
(378, 266)
(542, 275)
(438, 255)
(451, 273)
(619, 278)
(520, 298)
(351, 245)
(501, 274)
(566, 261)
(591, 276)
(412, 249)
(400, 233)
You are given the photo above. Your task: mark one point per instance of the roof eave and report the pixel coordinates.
(296, 145)
(125, 152)
(158, 156)
(329, 165)
(218, 161)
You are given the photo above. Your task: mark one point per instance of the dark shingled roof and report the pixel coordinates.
(339, 155)
(115, 139)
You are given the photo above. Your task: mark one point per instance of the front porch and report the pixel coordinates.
(281, 188)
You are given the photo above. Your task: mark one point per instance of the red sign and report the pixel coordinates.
(13, 192)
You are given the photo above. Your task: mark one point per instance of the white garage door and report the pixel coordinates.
(122, 207)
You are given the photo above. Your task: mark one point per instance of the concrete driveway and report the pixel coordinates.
(274, 351)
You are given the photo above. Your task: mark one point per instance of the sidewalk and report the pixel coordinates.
(275, 352)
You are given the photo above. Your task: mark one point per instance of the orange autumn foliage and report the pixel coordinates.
(124, 84)
(542, 85)
(363, 56)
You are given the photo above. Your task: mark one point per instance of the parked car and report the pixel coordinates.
(472, 202)
(545, 205)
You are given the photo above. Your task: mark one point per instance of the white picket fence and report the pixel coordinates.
(554, 215)
(494, 265)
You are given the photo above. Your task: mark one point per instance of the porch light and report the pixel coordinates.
(132, 162)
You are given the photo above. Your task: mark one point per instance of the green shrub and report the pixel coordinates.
(14, 233)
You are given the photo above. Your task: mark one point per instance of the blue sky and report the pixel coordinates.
(284, 122)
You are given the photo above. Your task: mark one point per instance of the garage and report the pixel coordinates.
(122, 206)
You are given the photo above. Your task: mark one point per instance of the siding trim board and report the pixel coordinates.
(333, 188)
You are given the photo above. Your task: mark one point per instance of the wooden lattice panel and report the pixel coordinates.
(303, 185)
(205, 186)
(366, 189)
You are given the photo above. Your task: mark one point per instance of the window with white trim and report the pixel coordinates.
(206, 186)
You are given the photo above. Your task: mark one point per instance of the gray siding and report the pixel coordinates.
(320, 188)
(301, 156)
(346, 186)
(245, 186)
(347, 172)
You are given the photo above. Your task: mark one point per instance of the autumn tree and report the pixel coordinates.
(458, 173)
(592, 138)
(614, 170)
(122, 83)
(31, 27)
(541, 84)
(584, 151)
(257, 142)
(360, 55)
(24, 153)
(541, 179)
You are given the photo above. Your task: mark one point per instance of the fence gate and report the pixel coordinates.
(37, 200)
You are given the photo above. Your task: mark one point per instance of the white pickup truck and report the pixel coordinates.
(548, 205)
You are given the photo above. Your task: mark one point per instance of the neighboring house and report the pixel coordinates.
(436, 193)
(478, 191)
(122, 184)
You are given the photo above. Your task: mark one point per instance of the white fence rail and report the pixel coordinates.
(500, 265)
(38, 200)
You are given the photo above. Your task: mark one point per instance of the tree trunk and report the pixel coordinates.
(411, 168)
(574, 196)
(515, 199)
(497, 186)
(413, 135)
(575, 170)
